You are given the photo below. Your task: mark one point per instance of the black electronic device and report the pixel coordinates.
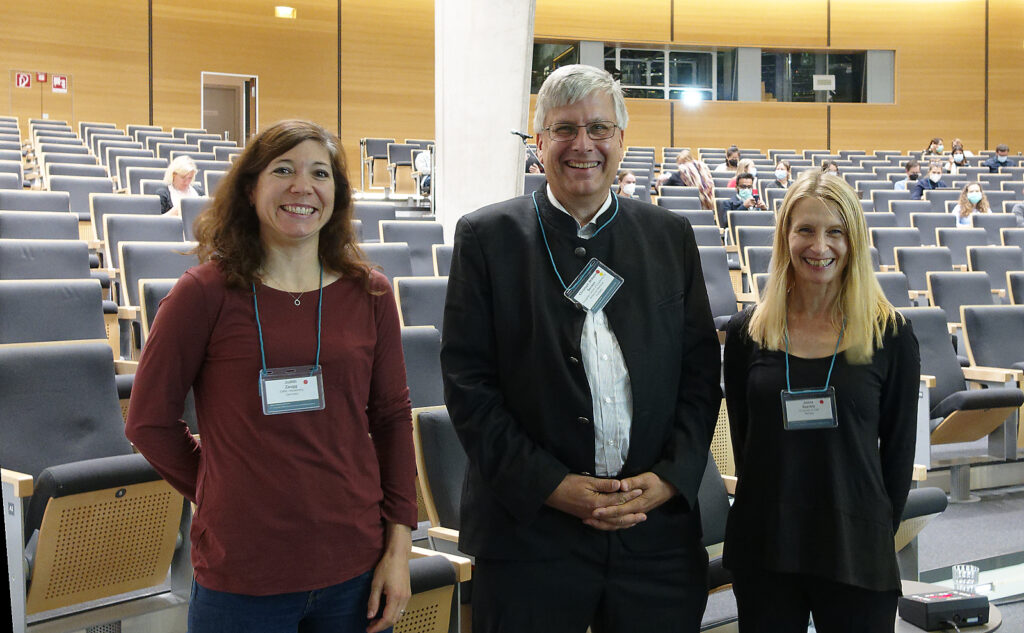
(939, 610)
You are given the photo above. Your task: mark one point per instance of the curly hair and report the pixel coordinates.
(228, 232)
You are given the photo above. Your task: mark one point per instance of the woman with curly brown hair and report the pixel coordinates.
(304, 479)
(972, 201)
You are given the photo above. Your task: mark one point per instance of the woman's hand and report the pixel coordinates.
(391, 580)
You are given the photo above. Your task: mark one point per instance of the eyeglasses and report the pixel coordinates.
(596, 131)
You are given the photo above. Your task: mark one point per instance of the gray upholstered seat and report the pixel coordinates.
(996, 261)
(34, 200)
(371, 213)
(119, 228)
(421, 300)
(721, 294)
(950, 290)
(190, 210)
(72, 169)
(707, 235)
(79, 188)
(680, 202)
(102, 204)
(44, 259)
(903, 208)
(885, 218)
(51, 310)
(136, 175)
(442, 259)
(122, 164)
(421, 346)
(1015, 287)
(153, 260)
(392, 259)
(959, 239)
(895, 287)
(39, 226)
(993, 223)
(927, 223)
(697, 217)
(758, 259)
(420, 236)
(151, 293)
(753, 236)
(994, 335)
(917, 261)
(676, 192)
(885, 239)
(180, 132)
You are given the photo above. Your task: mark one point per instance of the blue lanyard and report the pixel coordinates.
(319, 311)
(833, 364)
(544, 234)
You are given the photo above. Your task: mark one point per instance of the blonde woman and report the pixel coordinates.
(972, 201)
(746, 166)
(821, 383)
(179, 182)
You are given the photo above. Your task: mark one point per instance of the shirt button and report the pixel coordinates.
(574, 361)
(611, 442)
(604, 356)
(608, 399)
(583, 420)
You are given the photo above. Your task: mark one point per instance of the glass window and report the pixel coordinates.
(548, 57)
(642, 68)
(790, 76)
(689, 69)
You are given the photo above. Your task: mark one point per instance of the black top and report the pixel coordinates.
(823, 502)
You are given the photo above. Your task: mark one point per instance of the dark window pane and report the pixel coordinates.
(849, 71)
(547, 58)
(643, 93)
(642, 68)
(689, 69)
(727, 75)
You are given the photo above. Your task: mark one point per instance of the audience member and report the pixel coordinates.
(957, 158)
(746, 197)
(732, 159)
(913, 173)
(933, 181)
(627, 184)
(1001, 159)
(178, 183)
(745, 166)
(972, 201)
(1018, 210)
(935, 147)
(783, 174)
(830, 167)
(692, 173)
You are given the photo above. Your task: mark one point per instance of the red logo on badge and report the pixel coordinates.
(821, 402)
(305, 382)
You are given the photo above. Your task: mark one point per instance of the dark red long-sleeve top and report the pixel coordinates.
(288, 502)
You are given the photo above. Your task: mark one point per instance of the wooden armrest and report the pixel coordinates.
(732, 248)
(888, 268)
(920, 473)
(953, 328)
(929, 381)
(123, 367)
(745, 297)
(111, 272)
(914, 294)
(127, 313)
(721, 337)
(730, 483)
(95, 245)
(21, 482)
(999, 292)
(992, 374)
(463, 566)
(960, 267)
(445, 534)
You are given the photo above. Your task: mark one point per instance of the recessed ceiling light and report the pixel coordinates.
(285, 12)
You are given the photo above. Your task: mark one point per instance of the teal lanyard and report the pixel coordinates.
(319, 312)
(831, 365)
(544, 235)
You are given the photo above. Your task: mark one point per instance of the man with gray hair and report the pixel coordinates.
(581, 371)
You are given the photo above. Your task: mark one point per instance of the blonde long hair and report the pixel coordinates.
(860, 300)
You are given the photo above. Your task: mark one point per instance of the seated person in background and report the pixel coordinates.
(746, 197)
(533, 166)
(421, 163)
(627, 184)
(691, 173)
(783, 174)
(829, 167)
(178, 184)
(1018, 210)
(935, 147)
(933, 181)
(1001, 159)
(972, 201)
(957, 158)
(913, 173)
(745, 166)
(732, 159)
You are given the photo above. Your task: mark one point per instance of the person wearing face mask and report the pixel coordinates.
(782, 174)
(1001, 159)
(913, 173)
(745, 166)
(933, 181)
(732, 160)
(830, 167)
(746, 197)
(935, 147)
(627, 184)
(957, 158)
(972, 201)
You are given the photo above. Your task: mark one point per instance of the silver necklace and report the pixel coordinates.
(297, 298)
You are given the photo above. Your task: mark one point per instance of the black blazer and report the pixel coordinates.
(165, 196)
(515, 384)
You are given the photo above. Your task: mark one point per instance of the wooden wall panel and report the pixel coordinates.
(1006, 74)
(795, 23)
(102, 45)
(632, 21)
(387, 72)
(296, 60)
(758, 125)
(940, 83)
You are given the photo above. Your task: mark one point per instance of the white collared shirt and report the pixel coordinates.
(607, 375)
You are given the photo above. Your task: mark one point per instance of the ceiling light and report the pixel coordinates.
(288, 13)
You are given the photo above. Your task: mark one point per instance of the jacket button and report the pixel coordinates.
(573, 360)
(583, 420)
(580, 252)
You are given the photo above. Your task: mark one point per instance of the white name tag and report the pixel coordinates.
(594, 287)
(809, 410)
(291, 389)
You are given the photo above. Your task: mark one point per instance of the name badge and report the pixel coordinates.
(594, 287)
(291, 389)
(809, 410)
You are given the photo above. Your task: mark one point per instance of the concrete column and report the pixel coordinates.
(748, 77)
(483, 53)
(592, 54)
(880, 72)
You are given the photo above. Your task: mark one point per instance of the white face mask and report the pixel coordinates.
(958, 157)
(935, 177)
(752, 171)
(780, 174)
(629, 188)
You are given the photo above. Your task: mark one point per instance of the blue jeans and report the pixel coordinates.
(339, 608)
